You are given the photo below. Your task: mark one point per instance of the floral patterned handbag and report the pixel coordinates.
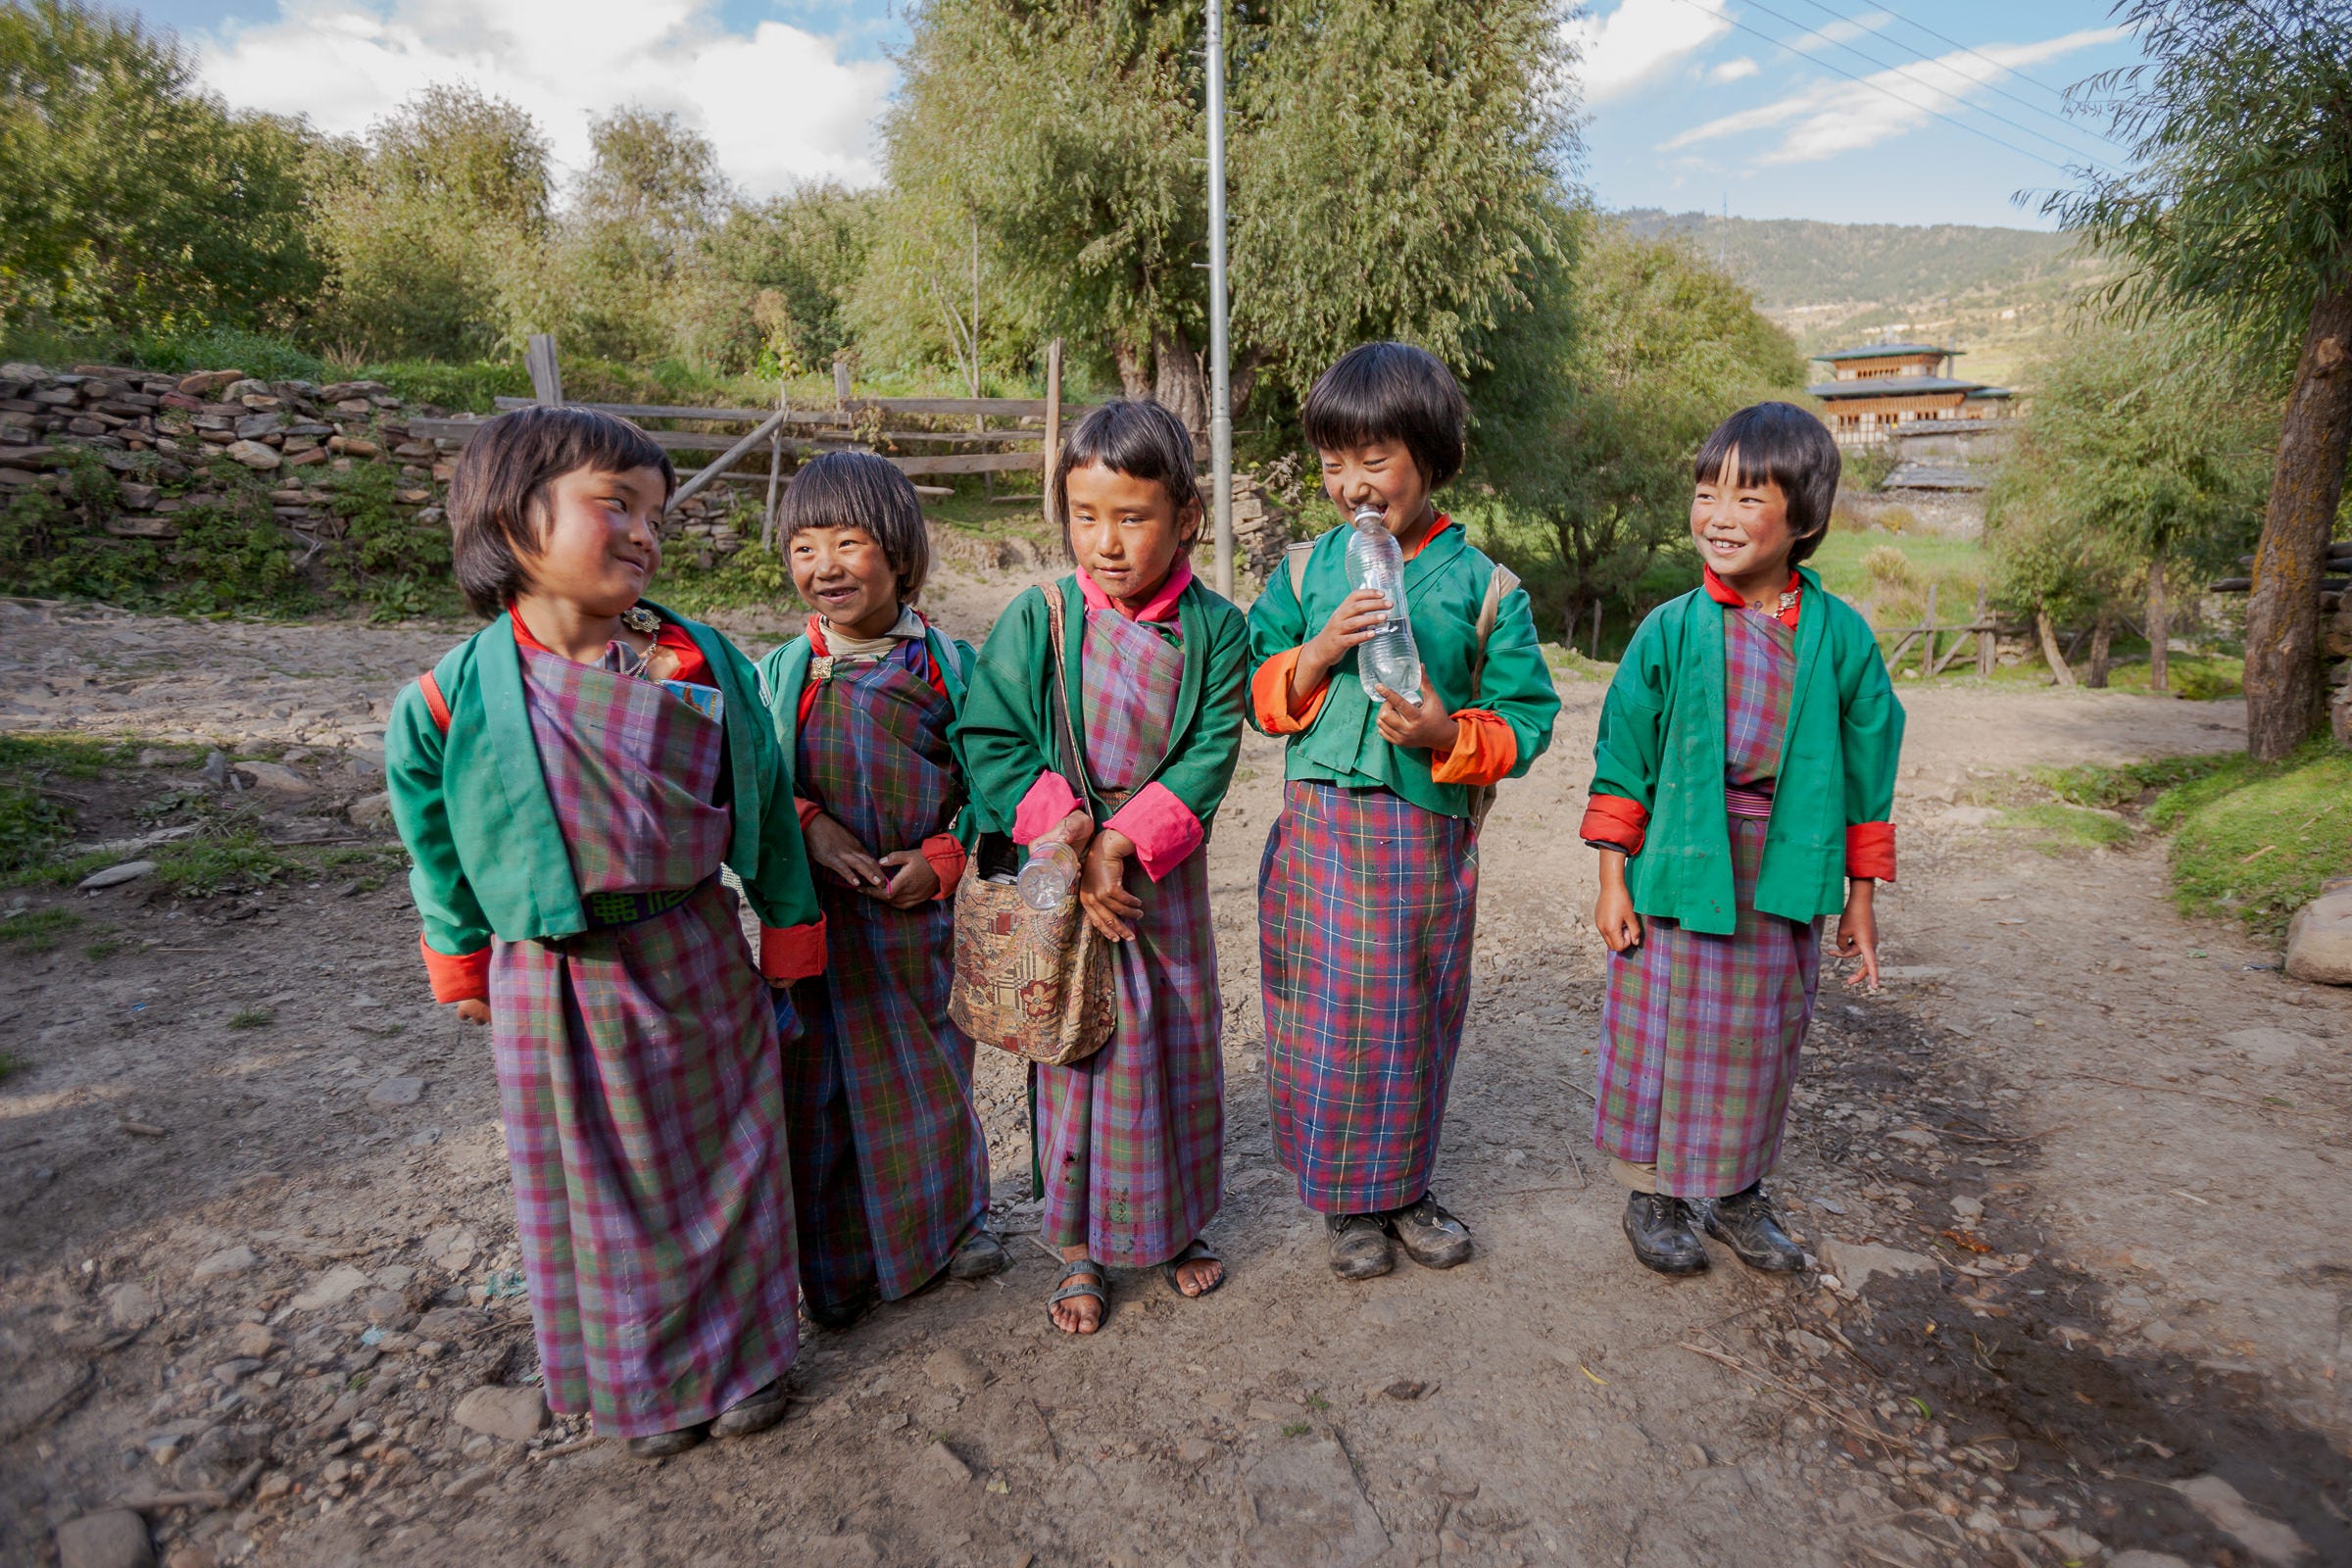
(1035, 982)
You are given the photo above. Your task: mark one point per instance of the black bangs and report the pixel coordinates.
(1781, 443)
(1136, 437)
(860, 490)
(1390, 392)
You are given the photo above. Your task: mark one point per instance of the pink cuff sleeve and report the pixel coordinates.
(1163, 827)
(792, 952)
(1049, 801)
(465, 978)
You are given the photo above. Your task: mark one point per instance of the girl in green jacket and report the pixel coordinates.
(1743, 778)
(568, 782)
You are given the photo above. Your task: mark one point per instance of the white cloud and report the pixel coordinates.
(1640, 39)
(1838, 116)
(778, 103)
(1735, 70)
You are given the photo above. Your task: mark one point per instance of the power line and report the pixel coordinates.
(2055, 92)
(2072, 124)
(1876, 87)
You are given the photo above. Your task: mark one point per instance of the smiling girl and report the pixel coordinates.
(889, 1162)
(1369, 885)
(1131, 1139)
(568, 782)
(1742, 782)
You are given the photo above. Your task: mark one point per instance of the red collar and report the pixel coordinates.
(1160, 607)
(1722, 595)
(1436, 529)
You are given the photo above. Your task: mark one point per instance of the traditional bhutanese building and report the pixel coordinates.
(1880, 386)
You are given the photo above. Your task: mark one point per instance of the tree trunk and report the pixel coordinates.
(2159, 627)
(2102, 637)
(1135, 380)
(1181, 385)
(2050, 653)
(2285, 686)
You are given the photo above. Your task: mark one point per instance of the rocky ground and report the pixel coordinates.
(2072, 1178)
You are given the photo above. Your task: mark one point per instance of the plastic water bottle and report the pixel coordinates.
(1049, 876)
(1375, 561)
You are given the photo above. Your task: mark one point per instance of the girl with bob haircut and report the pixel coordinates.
(1742, 782)
(1368, 890)
(568, 782)
(889, 1161)
(1131, 1139)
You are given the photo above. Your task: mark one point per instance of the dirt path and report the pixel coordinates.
(248, 1273)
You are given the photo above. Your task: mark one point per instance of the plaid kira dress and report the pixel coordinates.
(639, 1078)
(1365, 908)
(889, 1161)
(1131, 1140)
(1701, 1035)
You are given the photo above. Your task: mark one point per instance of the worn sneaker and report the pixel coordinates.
(756, 1411)
(1359, 1245)
(979, 1255)
(1659, 1227)
(1430, 1237)
(1745, 1223)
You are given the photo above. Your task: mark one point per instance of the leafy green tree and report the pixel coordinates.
(2237, 202)
(436, 226)
(1604, 389)
(132, 198)
(2143, 453)
(632, 250)
(1391, 168)
(802, 255)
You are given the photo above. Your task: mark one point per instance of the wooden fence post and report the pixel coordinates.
(1926, 661)
(547, 376)
(1987, 641)
(775, 471)
(841, 385)
(1052, 423)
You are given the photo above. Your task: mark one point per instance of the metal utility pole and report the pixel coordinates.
(1220, 399)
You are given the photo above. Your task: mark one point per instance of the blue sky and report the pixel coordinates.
(1688, 103)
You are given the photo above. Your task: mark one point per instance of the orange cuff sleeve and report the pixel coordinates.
(1869, 850)
(1270, 696)
(1483, 751)
(805, 810)
(1613, 821)
(945, 855)
(464, 978)
(793, 951)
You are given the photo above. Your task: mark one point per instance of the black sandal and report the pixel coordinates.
(1197, 1250)
(1098, 1288)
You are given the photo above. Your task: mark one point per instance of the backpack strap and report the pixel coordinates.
(1499, 583)
(435, 702)
(1293, 557)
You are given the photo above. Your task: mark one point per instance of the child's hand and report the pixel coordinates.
(1103, 892)
(1424, 724)
(1360, 614)
(1858, 933)
(1614, 918)
(915, 884)
(837, 850)
(473, 1011)
(1075, 830)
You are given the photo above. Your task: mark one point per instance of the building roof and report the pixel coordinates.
(1886, 350)
(1892, 386)
(1994, 392)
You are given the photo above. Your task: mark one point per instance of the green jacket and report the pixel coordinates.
(1008, 730)
(1445, 588)
(1661, 747)
(784, 671)
(471, 806)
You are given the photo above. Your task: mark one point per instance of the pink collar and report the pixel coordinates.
(1163, 606)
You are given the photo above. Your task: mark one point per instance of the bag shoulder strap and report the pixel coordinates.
(1073, 758)
(1499, 583)
(435, 702)
(1293, 557)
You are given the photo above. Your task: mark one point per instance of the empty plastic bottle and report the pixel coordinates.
(1049, 876)
(1375, 561)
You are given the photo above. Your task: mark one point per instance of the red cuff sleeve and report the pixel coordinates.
(1163, 828)
(1042, 810)
(792, 952)
(806, 809)
(464, 978)
(1616, 822)
(1483, 751)
(1270, 696)
(945, 855)
(1869, 850)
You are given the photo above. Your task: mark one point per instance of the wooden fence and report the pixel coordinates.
(1936, 656)
(850, 423)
